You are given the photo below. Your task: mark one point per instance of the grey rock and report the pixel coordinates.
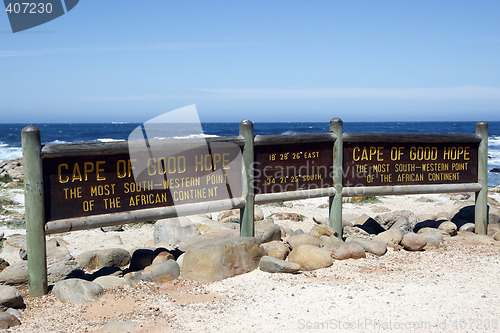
(206, 237)
(474, 239)
(351, 250)
(492, 219)
(8, 320)
(371, 246)
(163, 272)
(132, 278)
(258, 214)
(221, 258)
(14, 243)
(448, 227)
(174, 230)
(433, 237)
(60, 268)
(15, 274)
(387, 220)
(267, 231)
(96, 259)
(310, 257)
(112, 228)
(496, 236)
(229, 216)
(180, 260)
(297, 232)
(109, 282)
(302, 239)
(15, 312)
(320, 230)
(413, 242)
(55, 247)
(470, 227)
(77, 291)
(287, 216)
(276, 249)
(275, 265)
(10, 297)
(206, 226)
(493, 229)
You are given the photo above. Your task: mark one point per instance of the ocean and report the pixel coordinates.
(10, 134)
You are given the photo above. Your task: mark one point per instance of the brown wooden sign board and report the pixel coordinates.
(86, 185)
(293, 167)
(389, 164)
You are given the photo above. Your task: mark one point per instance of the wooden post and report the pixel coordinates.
(335, 202)
(247, 212)
(34, 211)
(481, 209)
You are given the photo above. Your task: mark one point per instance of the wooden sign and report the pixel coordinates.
(293, 167)
(85, 185)
(389, 164)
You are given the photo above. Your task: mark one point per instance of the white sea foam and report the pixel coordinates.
(56, 142)
(494, 158)
(196, 136)
(8, 153)
(288, 133)
(109, 140)
(494, 141)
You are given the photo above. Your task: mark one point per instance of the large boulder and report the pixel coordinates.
(109, 282)
(274, 265)
(174, 230)
(163, 272)
(221, 258)
(77, 291)
(413, 242)
(303, 239)
(403, 225)
(325, 234)
(310, 257)
(206, 237)
(349, 250)
(355, 232)
(15, 274)
(96, 259)
(55, 247)
(8, 320)
(388, 219)
(448, 227)
(433, 237)
(371, 246)
(10, 297)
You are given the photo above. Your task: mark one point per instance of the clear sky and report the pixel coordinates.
(273, 60)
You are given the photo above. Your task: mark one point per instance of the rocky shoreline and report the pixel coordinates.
(143, 277)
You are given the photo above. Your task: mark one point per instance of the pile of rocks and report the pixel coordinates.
(208, 248)
(13, 169)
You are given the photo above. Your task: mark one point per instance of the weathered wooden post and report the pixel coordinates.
(247, 212)
(34, 211)
(335, 202)
(481, 209)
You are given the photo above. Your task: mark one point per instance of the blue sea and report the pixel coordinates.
(10, 134)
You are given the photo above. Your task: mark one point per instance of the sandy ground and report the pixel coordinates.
(450, 288)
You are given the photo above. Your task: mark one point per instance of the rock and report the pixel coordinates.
(321, 219)
(221, 258)
(141, 258)
(10, 297)
(433, 237)
(348, 220)
(180, 260)
(493, 229)
(112, 228)
(132, 278)
(162, 257)
(3, 264)
(492, 219)
(1, 234)
(267, 231)
(15, 274)
(162, 272)
(15, 313)
(121, 326)
(109, 282)
(288, 232)
(105, 271)
(413, 242)
(495, 170)
(287, 216)
(403, 225)
(310, 257)
(496, 236)
(470, 227)
(474, 239)
(8, 320)
(302, 239)
(14, 243)
(351, 250)
(387, 220)
(323, 230)
(371, 246)
(368, 224)
(444, 233)
(206, 226)
(355, 232)
(391, 237)
(276, 249)
(448, 227)
(77, 291)
(55, 247)
(229, 216)
(258, 214)
(275, 265)
(104, 258)
(12, 168)
(60, 268)
(174, 230)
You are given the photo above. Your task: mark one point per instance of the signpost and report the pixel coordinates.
(82, 186)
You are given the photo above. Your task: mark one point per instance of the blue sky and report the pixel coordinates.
(123, 60)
